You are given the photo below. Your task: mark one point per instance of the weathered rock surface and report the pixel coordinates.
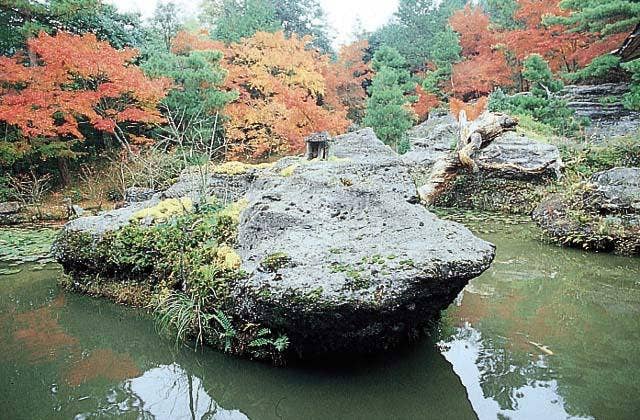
(604, 215)
(603, 106)
(365, 267)
(362, 267)
(432, 140)
(10, 213)
(138, 194)
(9, 207)
(617, 190)
(516, 156)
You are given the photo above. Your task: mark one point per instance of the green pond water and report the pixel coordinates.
(546, 333)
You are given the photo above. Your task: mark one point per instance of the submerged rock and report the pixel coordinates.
(335, 253)
(601, 215)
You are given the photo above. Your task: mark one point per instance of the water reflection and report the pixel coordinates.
(547, 332)
(499, 389)
(165, 392)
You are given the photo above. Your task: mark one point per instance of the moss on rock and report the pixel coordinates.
(164, 210)
(238, 168)
(487, 193)
(184, 266)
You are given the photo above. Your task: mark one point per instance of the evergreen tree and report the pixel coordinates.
(502, 12)
(22, 19)
(388, 111)
(541, 104)
(232, 20)
(632, 99)
(166, 23)
(304, 17)
(196, 96)
(603, 16)
(416, 26)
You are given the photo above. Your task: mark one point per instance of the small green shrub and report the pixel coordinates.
(540, 104)
(632, 99)
(586, 159)
(188, 262)
(600, 70)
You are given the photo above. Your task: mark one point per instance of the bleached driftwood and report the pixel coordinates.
(474, 135)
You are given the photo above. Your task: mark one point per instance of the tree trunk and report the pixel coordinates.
(474, 135)
(63, 168)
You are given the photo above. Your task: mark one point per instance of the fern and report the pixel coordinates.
(260, 342)
(281, 343)
(263, 332)
(228, 332)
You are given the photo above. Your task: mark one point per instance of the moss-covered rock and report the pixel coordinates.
(336, 257)
(486, 192)
(600, 215)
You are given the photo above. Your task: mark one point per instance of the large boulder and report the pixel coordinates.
(363, 267)
(517, 156)
(601, 215)
(336, 253)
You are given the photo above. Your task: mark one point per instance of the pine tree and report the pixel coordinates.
(603, 16)
(388, 111)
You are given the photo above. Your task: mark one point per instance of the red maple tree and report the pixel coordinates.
(66, 82)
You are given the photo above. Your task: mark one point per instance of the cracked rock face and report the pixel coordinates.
(602, 104)
(617, 189)
(512, 149)
(337, 255)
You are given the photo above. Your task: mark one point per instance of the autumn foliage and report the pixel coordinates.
(472, 110)
(493, 57)
(485, 66)
(287, 91)
(66, 83)
(424, 104)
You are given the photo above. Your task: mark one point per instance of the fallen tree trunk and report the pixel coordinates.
(474, 135)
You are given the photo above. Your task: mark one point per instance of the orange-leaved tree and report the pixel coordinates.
(283, 96)
(426, 101)
(493, 57)
(485, 66)
(472, 110)
(66, 87)
(346, 79)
